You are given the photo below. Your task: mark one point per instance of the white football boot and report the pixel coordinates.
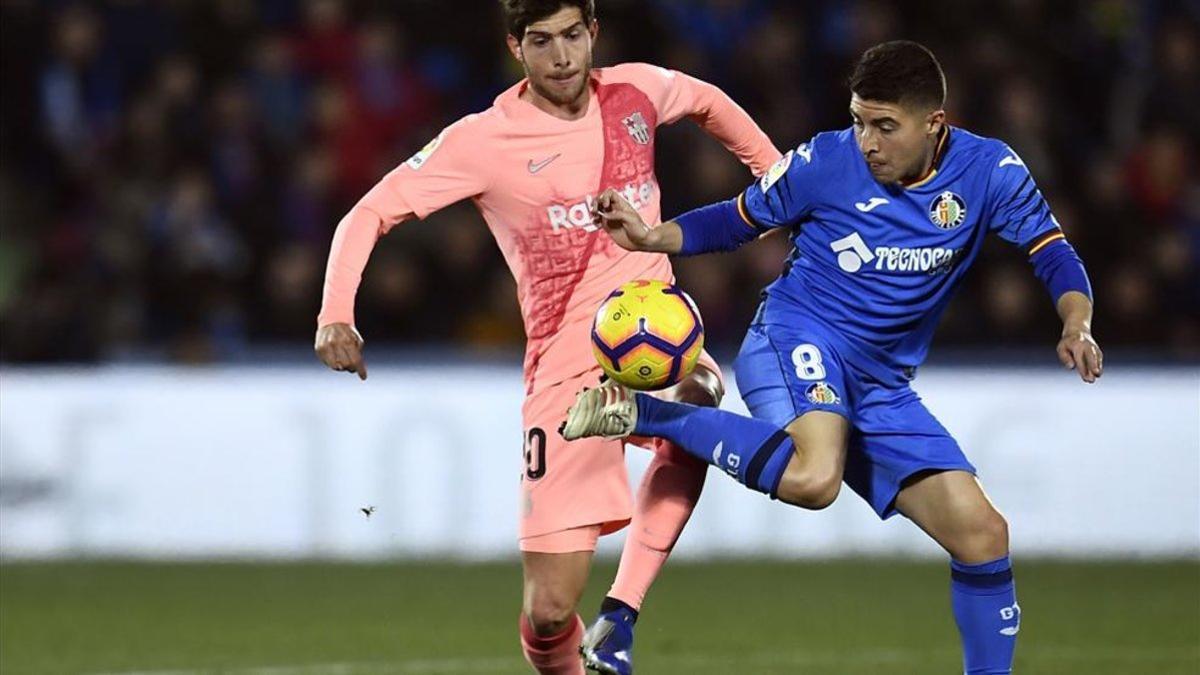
(609, 411)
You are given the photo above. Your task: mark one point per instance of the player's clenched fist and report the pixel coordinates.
(339, 346)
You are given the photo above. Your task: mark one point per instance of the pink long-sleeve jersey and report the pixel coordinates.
(534, 178)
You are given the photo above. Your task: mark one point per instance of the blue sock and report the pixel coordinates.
(987, 614)
(752, 451)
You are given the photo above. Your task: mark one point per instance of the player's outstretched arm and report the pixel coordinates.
(716, 227)
(1077, 349)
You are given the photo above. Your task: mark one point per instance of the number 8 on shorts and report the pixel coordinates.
(807, 359)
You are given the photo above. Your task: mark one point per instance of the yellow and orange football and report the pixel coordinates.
(647, 335)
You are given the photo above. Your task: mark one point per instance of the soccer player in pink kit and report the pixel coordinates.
(533, 163)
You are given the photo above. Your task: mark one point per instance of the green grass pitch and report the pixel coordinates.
(727, 618)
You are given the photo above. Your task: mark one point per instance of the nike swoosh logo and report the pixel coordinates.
(870, 204)
(1010, 630)
(1011, 160)
(535, 167)
(717, 453)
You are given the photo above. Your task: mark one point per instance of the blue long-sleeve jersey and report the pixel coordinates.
(876, 265)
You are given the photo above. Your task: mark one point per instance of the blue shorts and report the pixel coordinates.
(784, 371)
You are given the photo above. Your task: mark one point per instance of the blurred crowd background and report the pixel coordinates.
(171, 171)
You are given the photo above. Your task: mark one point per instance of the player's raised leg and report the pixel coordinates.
(794, 448)
(952, 507)
(801, 464)
(664, 503)
(551, 630)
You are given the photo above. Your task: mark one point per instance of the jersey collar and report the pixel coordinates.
(514, 106)
(938, 154)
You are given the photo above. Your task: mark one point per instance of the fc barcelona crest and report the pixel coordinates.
(948, 210)
(635, 124)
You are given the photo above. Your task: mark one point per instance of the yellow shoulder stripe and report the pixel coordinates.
(1044, 242)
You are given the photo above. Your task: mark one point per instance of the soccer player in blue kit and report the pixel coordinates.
(885, 217)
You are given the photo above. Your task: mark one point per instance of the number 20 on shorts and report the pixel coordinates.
(535, 454)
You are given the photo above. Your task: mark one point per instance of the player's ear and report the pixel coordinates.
(514, 47)
(594, 29)
(936, 120)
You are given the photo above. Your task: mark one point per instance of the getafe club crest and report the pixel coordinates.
(948, 210)
(635, 124)
(822, 393)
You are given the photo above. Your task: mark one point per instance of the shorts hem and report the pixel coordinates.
(571, 539)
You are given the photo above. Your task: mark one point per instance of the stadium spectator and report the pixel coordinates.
(167, 170)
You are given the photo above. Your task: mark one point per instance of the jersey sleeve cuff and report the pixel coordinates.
(1059, 267)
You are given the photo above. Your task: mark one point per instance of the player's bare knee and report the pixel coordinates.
(545, 626)
(986, 538)
(822, 492)
(550, 614)
(809, 489)
(994, 532)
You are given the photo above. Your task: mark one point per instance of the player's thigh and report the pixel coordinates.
(821, 435)
(952, 507)
(794, 378)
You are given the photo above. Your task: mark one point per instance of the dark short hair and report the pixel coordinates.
(901, 72)
(518, 14)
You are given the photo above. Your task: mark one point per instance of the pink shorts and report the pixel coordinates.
(571, 493)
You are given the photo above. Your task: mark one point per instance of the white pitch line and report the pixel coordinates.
(761, 659)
